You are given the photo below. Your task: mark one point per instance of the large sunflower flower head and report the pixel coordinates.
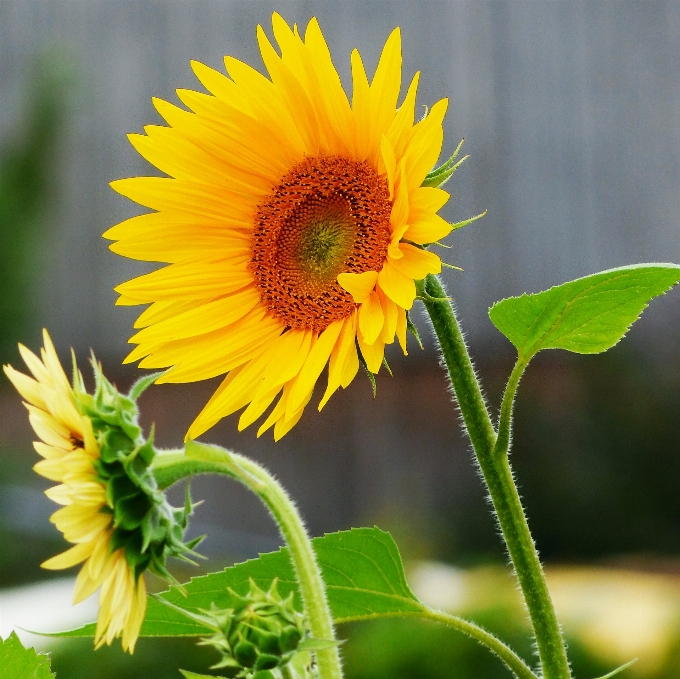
(113, 512)
(292, 224)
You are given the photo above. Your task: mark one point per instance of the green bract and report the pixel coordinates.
(144, 523)
(261, 632)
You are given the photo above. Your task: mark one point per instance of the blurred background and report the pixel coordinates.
(571, 115)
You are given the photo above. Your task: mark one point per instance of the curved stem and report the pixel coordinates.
(172, 466)
(502, 446)
(497, 474)
(507, 655)
(169, 467)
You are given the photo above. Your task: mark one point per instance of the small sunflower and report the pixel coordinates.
(91, 446)
(292, 224)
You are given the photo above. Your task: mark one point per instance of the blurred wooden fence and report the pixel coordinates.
(570, 112)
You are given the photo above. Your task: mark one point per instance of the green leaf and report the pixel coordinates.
(193, 675)
(17, 662)
(361, 567)
(586, 316)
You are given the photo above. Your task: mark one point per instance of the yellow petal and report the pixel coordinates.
(425, 144)
(334, 98)
(35, 365)
(373, 354)
(217, 352)
(399, 215)
(429, 230)
(361, 105)
(359, 285)
(196, 278)
(206, 318)
(283, 426)
(389, 162)
(399, 288)
(159, 237)
(384, 91)
(371, 318)
(28, 388)
(344, 353)
(399, 133)
(390, 313)
(70, 557)
(425, 201)
(286, 359)
(315, 363)
(416, 263)
(402, 326)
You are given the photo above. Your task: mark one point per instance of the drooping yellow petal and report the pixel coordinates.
(399, 288)
(371, 318)
(343, 361)
(313, 366)
(373, 354)
(70, 557)
(359, 285)
(390, 313)
(402, 326)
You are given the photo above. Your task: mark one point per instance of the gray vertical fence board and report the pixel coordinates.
(569, 110)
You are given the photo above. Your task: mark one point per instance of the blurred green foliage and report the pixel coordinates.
(596, 455)
(27, 192)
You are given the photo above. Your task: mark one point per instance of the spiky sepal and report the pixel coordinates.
(261, 632)
(144, 523)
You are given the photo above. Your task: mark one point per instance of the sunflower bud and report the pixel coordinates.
(261, 632)
(144, 524)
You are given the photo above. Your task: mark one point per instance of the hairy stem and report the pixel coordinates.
(201, 458)
(507, 655)
(495, 467)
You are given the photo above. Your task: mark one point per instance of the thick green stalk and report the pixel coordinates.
(200, 458)
(495, 467)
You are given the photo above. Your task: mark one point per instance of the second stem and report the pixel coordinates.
(497, 474)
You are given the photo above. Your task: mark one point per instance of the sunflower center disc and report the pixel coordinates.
(328, 215)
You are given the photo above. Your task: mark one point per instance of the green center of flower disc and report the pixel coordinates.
(325, 242)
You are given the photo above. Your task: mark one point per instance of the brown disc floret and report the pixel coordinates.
(328, 215)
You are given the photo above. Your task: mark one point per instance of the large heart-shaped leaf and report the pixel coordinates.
(17, 662)
(361, 567)
(586, 316)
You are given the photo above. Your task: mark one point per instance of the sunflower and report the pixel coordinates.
(292, 224)
(113, 513)
(70, 450)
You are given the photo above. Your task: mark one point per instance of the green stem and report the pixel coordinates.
(171, 466)
(201, 458)
(495, 467)
(507, 655)
(502, 445)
